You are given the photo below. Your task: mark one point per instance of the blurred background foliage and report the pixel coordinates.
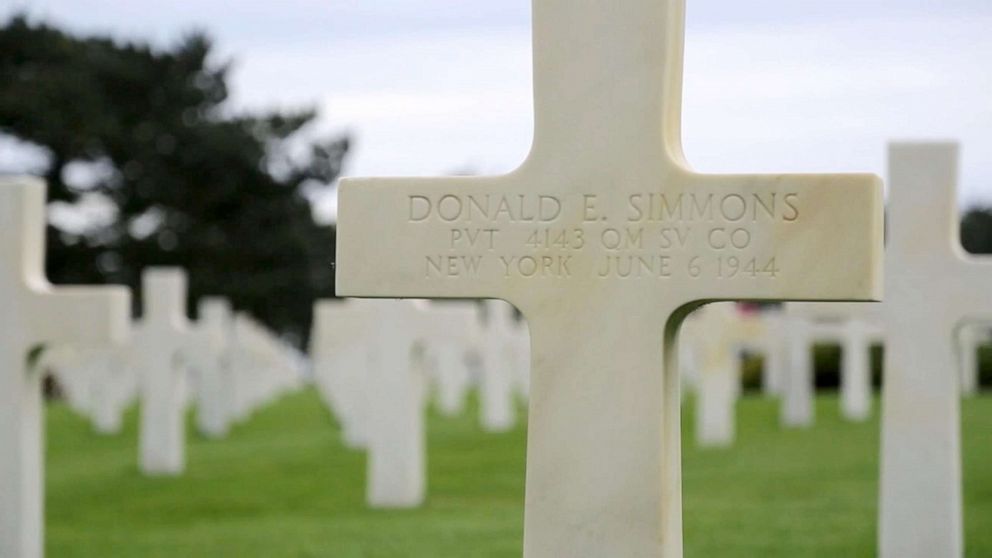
(976, 230)
(143, 153)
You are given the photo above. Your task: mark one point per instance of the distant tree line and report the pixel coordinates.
(148, 135)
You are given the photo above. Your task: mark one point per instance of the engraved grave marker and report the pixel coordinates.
(604, 238)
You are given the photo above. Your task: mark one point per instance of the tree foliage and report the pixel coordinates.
(976, 231)
(190, 184)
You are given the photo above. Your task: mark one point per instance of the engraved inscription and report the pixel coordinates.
(485, 208)
(648, 236)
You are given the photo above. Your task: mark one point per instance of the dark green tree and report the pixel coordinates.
(976, 230)
(191, 184)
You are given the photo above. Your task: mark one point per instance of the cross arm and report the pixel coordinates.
(968, 287)
(823, 232)
(425, 238)
(198, 347)
(79, 314)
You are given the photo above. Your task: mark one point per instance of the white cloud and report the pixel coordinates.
(21, 157)
(828, 97)
(91, 212)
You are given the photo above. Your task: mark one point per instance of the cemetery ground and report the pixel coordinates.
(283, 485)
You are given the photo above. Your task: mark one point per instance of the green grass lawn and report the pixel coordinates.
(282, 485)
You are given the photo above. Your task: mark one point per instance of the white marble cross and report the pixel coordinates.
(856, 327)
(323, 358)
(214, 375)
(855, 371)
(512, 343)
(245, 367)
(266, 367)
(94, 381)
(370, 360)
(113, 387)
(932, 288)
(364, 360)
(717, 334)
(772, 346)
(971, 337)
(340, 347)
(33, 314)
(604, 238)
(452, 333)
(68, 366)
(162, 341)
(397, 389)
(799, 381)
(497, 405)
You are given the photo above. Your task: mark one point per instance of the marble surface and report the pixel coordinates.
(214, 375)
(921, 502)
(160, 341)
(603, 238)
(36, 314)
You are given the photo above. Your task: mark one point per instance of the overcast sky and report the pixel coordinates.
(432, 87)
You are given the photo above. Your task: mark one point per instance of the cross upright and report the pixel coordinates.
(718, 333)
(35, 314)
(346, 351)
(513, 343)
(213, 414)
(396, 385)
(339, 352)
(451, 333)
(933, 289)
(855, 326)
(161, 339)
(113, 388)
(604, 239)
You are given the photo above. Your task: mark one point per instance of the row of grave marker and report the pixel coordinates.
(377, 363)
(344, 353)
(87, 331)
(236, 366)
(226, 363)
(714, 338)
